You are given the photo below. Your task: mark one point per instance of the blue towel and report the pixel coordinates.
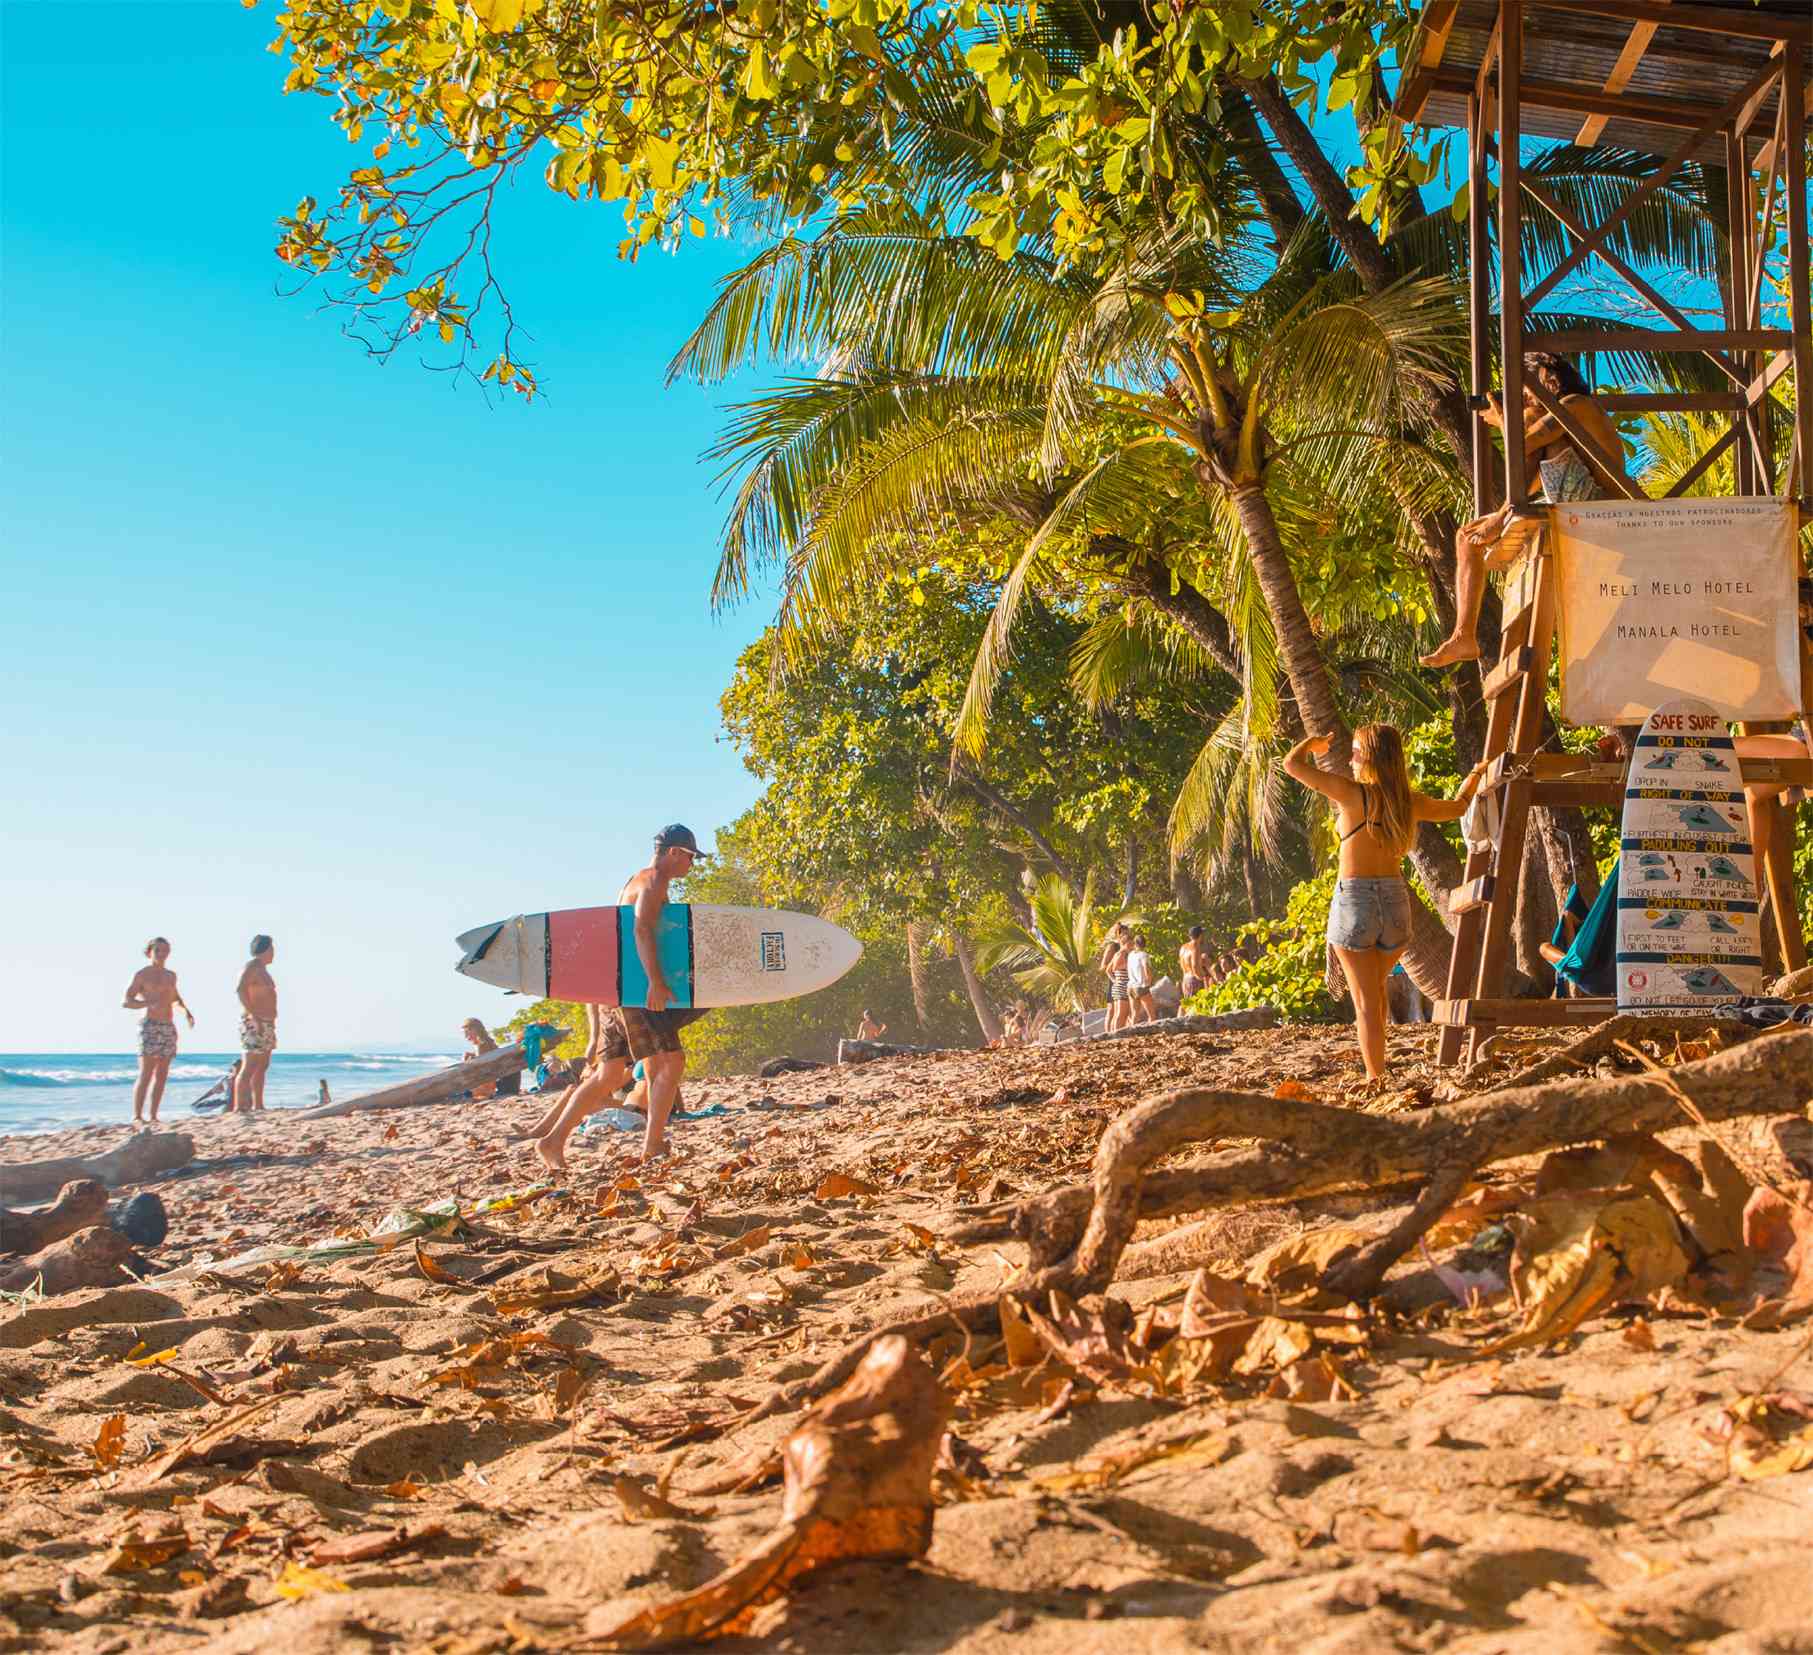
(1591, 962)
(533, 1038)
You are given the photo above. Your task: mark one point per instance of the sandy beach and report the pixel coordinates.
(532, 1423)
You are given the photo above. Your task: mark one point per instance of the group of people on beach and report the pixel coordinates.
(153, 991)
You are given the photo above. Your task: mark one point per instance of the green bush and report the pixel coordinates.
(1289, 973)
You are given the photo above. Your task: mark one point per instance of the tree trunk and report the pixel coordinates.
(916, 971)
(986, 1020)
(992, 795)
(143, 1155)
(1536, 913)
(1130, 884)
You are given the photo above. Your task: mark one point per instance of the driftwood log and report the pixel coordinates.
(438, 1087)
(142, 1156)
(80, 1203)
(1252, 1017)
(1076, 1235)
(95, 1257)
(867, 1051)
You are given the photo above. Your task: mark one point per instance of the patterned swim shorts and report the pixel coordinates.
(630, 1031)
(156, 1039)
(257, 1034)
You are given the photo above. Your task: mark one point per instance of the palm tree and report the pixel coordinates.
(1054, 956)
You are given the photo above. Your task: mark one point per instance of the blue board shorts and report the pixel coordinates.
(1370, 913)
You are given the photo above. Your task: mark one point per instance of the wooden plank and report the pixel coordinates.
(1724, 20)
(1634, 47)
(1498, 1012)
(1476, 893)
(1737, 253)
(1520, 585)
(1495, 945)
(1479, 299)
(1512, 669)
(1580, 340)
(1424, 55)
(1699, 467)
(1677, 158)
(1780, 772)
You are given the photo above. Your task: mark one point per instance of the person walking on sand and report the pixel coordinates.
(153, 991)
(1376, 812)
(624, 1035)
(257, 1025)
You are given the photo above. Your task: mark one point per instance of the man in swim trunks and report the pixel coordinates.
(1193, 962)
(624, 1035)
(153, 991)
(257, 1025)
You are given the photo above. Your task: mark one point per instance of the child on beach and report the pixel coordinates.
(1376, 812)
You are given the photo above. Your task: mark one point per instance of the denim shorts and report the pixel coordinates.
(1370, 913)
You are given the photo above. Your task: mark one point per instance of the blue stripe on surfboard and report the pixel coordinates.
(673, 947)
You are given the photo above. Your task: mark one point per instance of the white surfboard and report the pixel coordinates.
(711, 955)
(1688, 933)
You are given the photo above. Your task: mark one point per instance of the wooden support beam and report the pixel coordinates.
(1656, 339)
(1677, 158)
(1479, 296)
(1700, 466)
(1723, 20)
(1640, 36)
(1475, 894)
(1498, 1012)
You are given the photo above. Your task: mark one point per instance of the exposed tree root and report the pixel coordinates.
(1602, 1041)
(1077, 1236)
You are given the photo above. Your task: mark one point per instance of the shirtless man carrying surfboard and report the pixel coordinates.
(622, 1035)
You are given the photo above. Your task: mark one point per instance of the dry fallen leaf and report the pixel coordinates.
(859, 1485)
(372, 1545)
(109, 1442)
(1025, 1349)
(132, 1552)
(748, 1242)
(1778, 1226)
(155, 1359)
(836, 1186)
(1765, 1438)
(1293, 1091)
(197, 1445)
(1208, 1449)
(434, 1272)
(1581, 1253)
(407, 1489)
(297, 1582)
(640, 1504)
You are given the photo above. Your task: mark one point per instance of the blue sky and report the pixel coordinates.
(292, 641)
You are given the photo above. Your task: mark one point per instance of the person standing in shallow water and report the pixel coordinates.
(257, 1025)
(153, 991)
(1376, 812)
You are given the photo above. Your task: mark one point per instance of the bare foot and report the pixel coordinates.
(553, 1162)
(1451, 651)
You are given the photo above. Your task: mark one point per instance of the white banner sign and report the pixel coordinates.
(1664, 598)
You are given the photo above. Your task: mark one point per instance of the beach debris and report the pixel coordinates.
(298, 1582)
(220, 1439)
(373, 1545)
(858, 1472)
(109, 1442)
(775, 1067)
(95, 1257)
(141, 1157)
(80, 1203)
(1206, 1449)
(1767, 1435)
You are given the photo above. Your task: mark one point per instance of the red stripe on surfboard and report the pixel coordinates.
(582, 955)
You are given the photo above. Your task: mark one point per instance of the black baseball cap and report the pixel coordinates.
(677, 837)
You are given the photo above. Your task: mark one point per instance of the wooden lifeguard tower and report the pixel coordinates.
(1724, 85)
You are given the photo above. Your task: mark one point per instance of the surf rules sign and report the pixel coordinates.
(1665, 598)
(1687, 909)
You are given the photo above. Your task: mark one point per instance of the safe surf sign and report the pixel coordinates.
(1665, 598)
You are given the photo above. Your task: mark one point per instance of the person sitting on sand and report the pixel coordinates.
(622, 1034)
(1554, 463)
(257, 1025)
(1376, 812)
(868, 1028)
(153, 991)
(224, 1086)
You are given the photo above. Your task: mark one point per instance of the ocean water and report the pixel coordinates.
(50, 1091)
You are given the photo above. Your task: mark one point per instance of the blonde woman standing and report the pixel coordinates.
(1376, 812)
